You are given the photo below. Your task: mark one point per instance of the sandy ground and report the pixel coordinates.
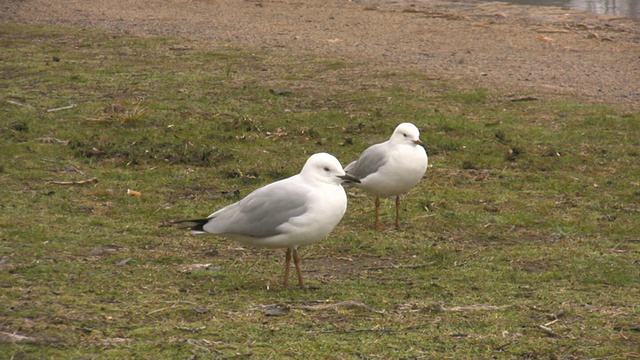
(540, 51)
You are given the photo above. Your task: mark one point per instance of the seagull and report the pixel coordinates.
(289, 213)
(391, 168)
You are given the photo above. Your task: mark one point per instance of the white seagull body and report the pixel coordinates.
(391, 168)
(296, 211)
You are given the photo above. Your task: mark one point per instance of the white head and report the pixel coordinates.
(406, 133)
(326, 168)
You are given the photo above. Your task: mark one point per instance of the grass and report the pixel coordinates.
(528, 217)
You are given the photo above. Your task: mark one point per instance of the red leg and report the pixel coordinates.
(398, 212)
(375, 222)
(286, 268)
(296, 261)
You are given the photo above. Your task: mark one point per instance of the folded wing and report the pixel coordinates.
(261, 213)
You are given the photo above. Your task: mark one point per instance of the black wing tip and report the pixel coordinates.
(349, 179)
(193, 224)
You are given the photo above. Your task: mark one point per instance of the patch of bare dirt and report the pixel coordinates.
(519, 49)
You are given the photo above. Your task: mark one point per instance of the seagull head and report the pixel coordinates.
(406, 133)
(326, 168)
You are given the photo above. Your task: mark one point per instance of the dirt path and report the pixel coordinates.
(521, 49)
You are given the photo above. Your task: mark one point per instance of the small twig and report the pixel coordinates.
(199, 344)
(373, 330)
(50, 140)
(475, 307)
(18, 104)
(324, 306)
(180, 48)
(62, 108)
(93, 180)
(266, 306)
(346, 304)
(159, 310)
(16, 338)
(551, 322)
(552, 31)
(122, 262)
(111, 341)
(14, 103)
(190, 329)
(401, 266)
(503, 346)
(546, 329)
(180, 302)
(558, 314)
(526, 98)
(353, 331)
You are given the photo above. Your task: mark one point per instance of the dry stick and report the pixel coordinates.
(526, 98)
(122, 262)
(18, 104)
(199, 328)
(503, 346)
(551, 322)
(353, 331)
(159, 310)
(112, 341)
(552, 31)
(62, 108)
(16, 338)
(180, 302)
(198, 344)
(378, 330)
(546, 329)
(180, 48)
(49, 140)
(93, 180)
(347, 304)
(475, 307)
(401, 266)
(175, 305)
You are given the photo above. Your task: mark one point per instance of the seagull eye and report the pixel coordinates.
(326, 169)
(405, 135)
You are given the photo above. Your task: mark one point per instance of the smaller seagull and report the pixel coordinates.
(296, 211)
(391, 168)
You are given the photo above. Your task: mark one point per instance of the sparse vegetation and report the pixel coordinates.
(522, 240)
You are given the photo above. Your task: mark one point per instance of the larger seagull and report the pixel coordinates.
(289, 213)
(391, 168)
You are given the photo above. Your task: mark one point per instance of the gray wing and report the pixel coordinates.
(261, 212)
(372, 159)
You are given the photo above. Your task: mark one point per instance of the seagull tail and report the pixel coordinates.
(195, 225)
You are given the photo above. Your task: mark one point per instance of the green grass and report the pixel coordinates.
(528, 217)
